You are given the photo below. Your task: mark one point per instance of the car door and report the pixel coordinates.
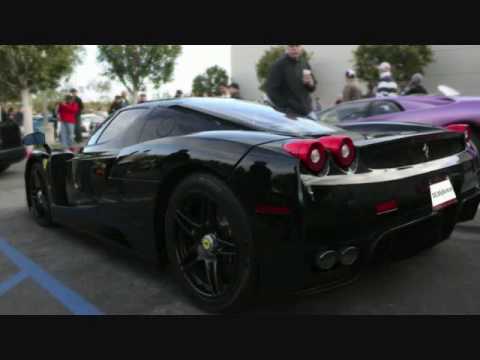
(89, 171)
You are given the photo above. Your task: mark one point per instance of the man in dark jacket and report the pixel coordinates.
(291, 82)
(78, 125)
(235, 91)
(415, 87)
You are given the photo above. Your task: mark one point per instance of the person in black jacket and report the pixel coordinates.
(78, 125)
(415, 86)
(291, 82)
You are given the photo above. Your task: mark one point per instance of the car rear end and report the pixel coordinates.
(367, 198)
(11, 147)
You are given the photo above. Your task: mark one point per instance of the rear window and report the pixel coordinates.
(260, 117)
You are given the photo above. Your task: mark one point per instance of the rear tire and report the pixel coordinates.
(39, 204)
(3, 168)
(210, 245)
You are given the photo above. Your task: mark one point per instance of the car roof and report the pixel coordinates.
(246, 113)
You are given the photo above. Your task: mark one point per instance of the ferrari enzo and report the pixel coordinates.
(243, 200)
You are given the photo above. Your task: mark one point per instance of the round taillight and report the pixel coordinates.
(315, 156)
(462, 128)
(310, 152)
(345, 151)
(342, 149)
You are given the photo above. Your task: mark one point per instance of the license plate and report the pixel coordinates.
(443, 194)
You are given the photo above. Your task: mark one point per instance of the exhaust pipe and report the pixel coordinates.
(349, 256)
(327, 260)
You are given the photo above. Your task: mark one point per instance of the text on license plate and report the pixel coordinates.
(443, 194)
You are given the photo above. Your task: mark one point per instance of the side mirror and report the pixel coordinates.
(36, 138)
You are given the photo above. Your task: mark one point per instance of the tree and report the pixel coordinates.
(406, 60)
(268, 59)
(208, 83)
(132, 65)
(27, 69)
(102, 88)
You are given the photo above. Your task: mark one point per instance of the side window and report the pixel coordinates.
(164, 122)
(328, 116)
(120, 132)
(384, 107)
(352, 111)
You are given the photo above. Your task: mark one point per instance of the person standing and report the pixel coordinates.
(224, 90)
(351, 91)
(18, 116)
(68, 112)
(387, 85)
(290, 83)
(78, 116)
(124, 97)
(415, 87)
(142, 98)
(116, 105)
(234, 90)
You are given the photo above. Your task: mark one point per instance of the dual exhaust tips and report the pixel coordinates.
(327, 260)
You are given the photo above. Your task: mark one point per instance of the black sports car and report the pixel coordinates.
(244, 200)
(11, 147)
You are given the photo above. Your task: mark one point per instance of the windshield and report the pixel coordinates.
(259, 117)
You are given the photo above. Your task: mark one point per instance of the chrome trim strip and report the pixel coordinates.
(376, 176)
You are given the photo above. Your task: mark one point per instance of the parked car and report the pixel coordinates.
(244, 200)
(11, 147)
(432, 110)
(91, 122)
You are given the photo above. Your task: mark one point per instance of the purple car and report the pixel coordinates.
(440, 111)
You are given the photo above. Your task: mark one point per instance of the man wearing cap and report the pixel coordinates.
(291, 82)
(351, 91)
(387, 85)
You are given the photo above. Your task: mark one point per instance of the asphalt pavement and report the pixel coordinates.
(60, 271)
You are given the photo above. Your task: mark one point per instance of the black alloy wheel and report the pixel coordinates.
(209, 243)
(39, 199)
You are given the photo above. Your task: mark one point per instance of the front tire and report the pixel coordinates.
(210, 245)
(39, 204)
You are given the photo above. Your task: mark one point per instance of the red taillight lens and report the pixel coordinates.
(342, 149)
(387, 207)
(311, 152)
(462, 128)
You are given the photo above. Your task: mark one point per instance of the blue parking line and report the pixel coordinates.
(13, 281)
(71, 300)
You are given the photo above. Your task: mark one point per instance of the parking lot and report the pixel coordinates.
(61, 271)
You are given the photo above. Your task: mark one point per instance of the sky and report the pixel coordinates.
(195, 59)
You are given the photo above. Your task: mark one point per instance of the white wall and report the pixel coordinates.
(456, 65)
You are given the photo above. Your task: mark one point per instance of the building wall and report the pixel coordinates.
(457, 66)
